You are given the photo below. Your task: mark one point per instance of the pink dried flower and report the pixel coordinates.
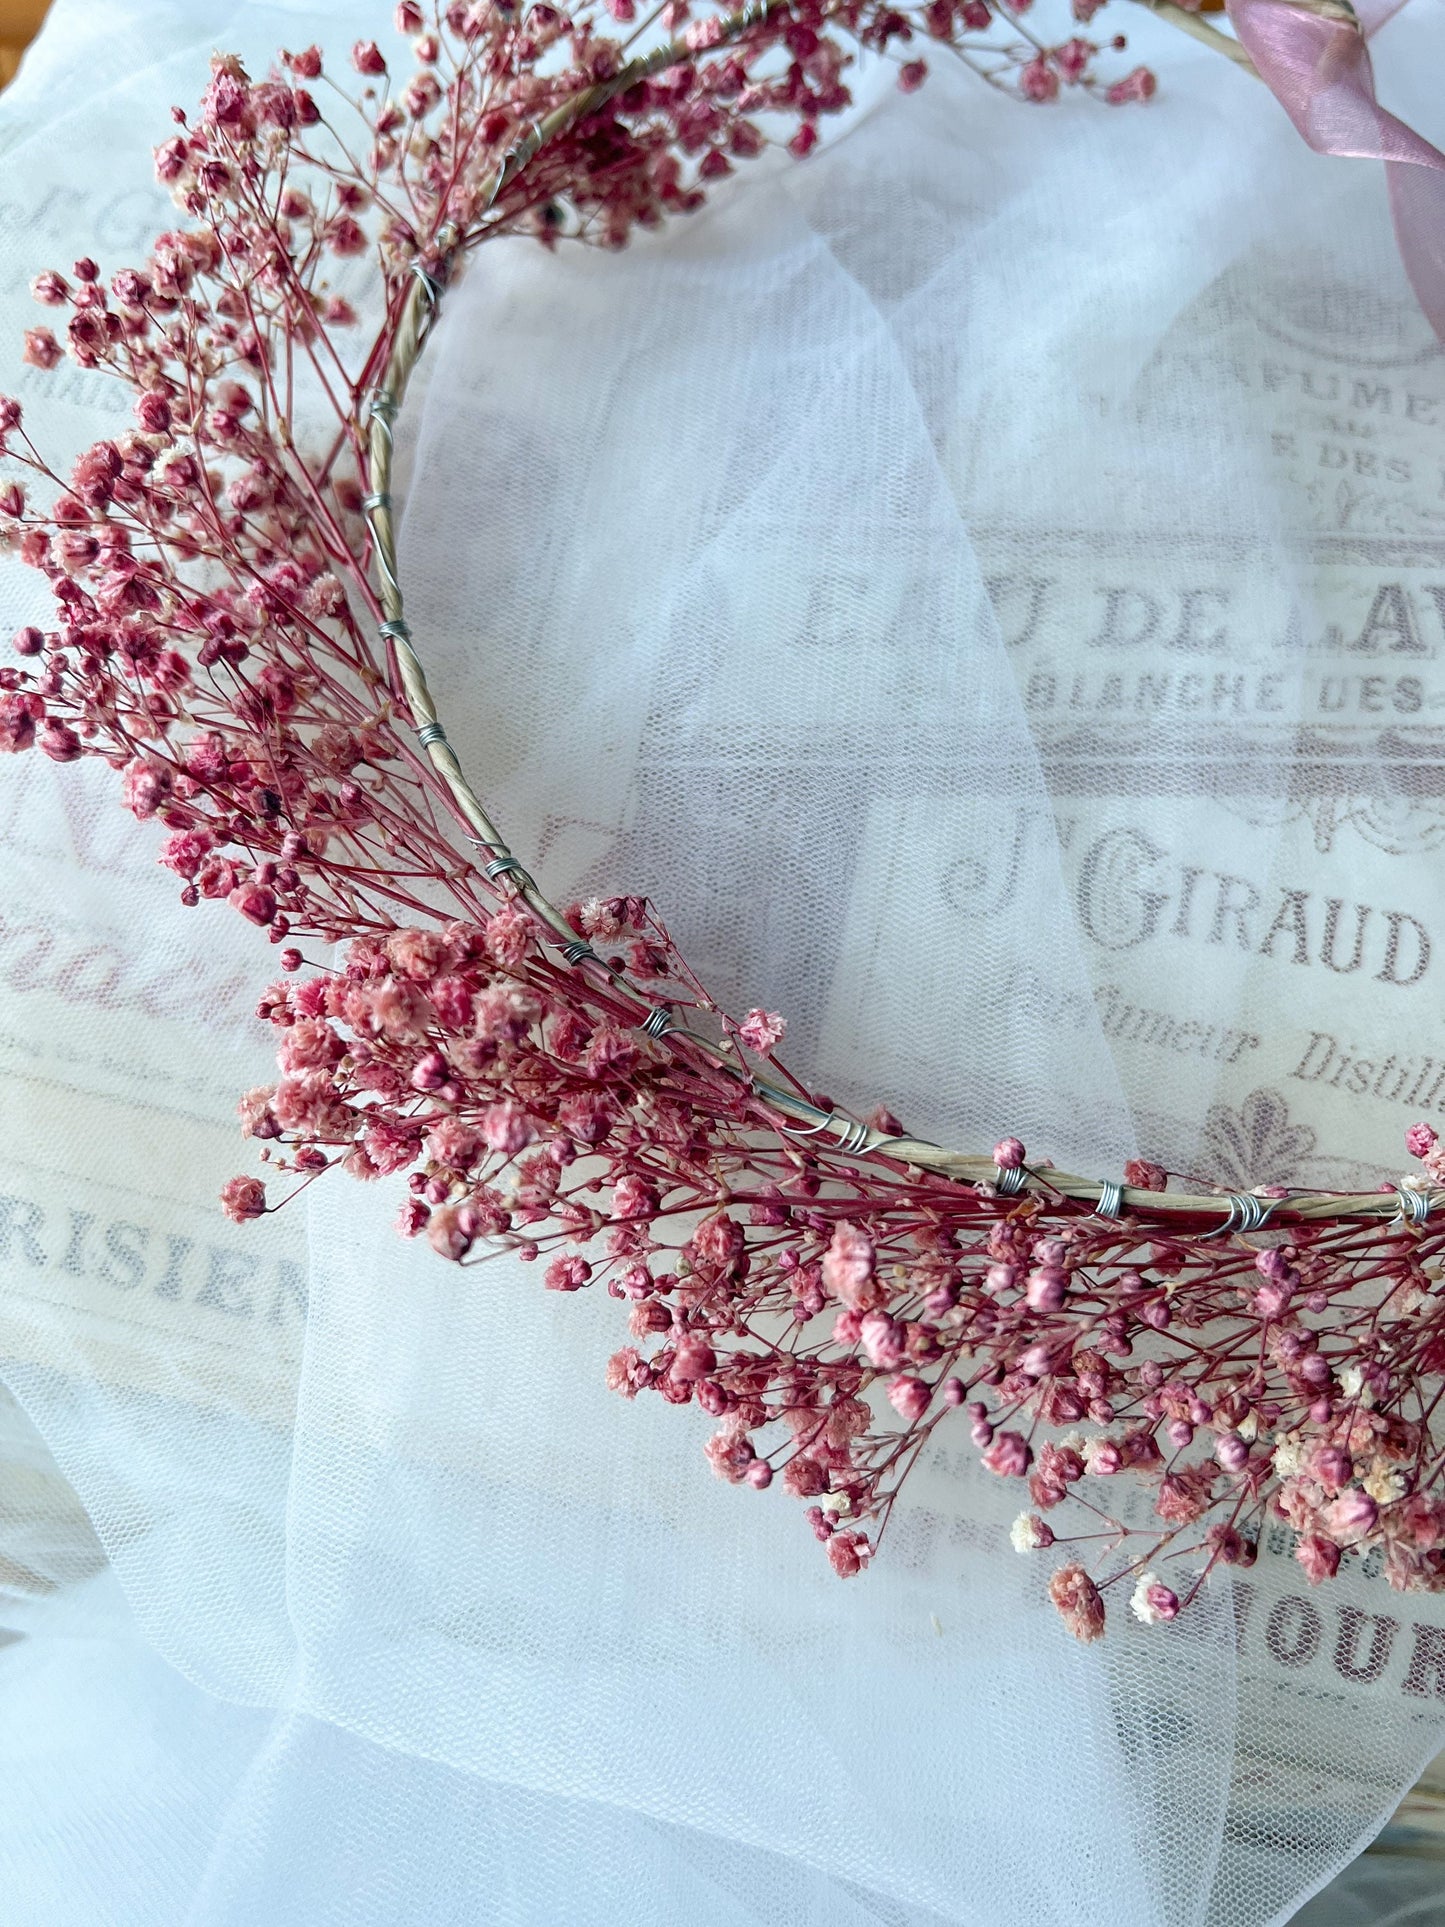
(1009, 1455)
(731, 1456)
(1153, 1601)
(367, 58)
(1139, 1172)
(1079, 1602)
(626, 1372)
(1354, 1515)
(1009, 1154)
(451, 1231)
(882, 1340)
(848, 1553)
(1140, 85)
(848, 1273)
(1319, 1556)
(18, 717)
(1039, 81)
(1421, 1139)
(804, 1477)
(60, 743)
(1030, 1533)
(760, 1030)
(505, 1128)
(243, 1199)
(567, 1274)
(256, 903)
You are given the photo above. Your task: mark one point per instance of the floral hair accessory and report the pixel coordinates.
(230, 637)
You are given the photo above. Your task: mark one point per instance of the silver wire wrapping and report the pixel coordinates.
(1246, 1213)
(1111, 1199)
(1415, 1205)
(1009, 1181)
(852, 1136)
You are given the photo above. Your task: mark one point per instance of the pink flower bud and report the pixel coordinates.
(882, 1340)
(1352, 1516)
(367, 58)
(153, 412)
(431, 1072)
(1045, 1292)
(1421, 1139)
(692, 1358)
(41, 349)
(909, 1397)
(256, 903)
(1037, 81)
(912, 75)
(1139, 85)
(60, 742)
(1009, 1455)
(19, 714)
(1008, 1154)
(1042, 1358)
(1332, 1466)
(1231, 1452)
(451, 1231)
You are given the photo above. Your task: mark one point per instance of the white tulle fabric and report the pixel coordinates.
(982, 586)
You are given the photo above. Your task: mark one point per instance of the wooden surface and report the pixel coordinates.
(19, 20)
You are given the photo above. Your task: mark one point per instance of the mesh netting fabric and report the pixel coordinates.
(987, 587)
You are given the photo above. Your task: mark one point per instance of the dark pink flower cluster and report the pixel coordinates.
(586, 1105)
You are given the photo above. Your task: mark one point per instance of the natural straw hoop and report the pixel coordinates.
(836, 1133)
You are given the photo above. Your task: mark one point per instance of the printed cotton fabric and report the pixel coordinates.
(987, 586)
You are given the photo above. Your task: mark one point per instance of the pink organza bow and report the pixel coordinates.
(1319, 69)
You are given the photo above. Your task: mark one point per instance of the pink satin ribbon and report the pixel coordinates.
(1320, 72)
